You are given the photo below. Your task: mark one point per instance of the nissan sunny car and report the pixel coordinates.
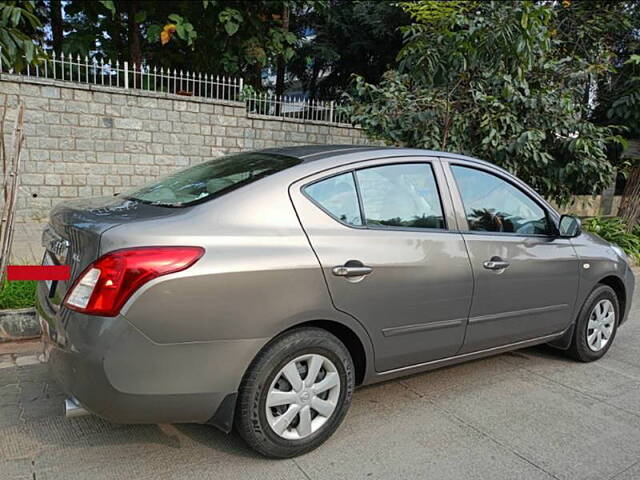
(259, 289)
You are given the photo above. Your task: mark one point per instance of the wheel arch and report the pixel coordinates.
(354, 343)
(613, 281)
(618, 287)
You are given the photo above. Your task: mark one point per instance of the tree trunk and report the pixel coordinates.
(55, 7)
(630, 205)
(313, 82)
(135, 51)
(116, 34)
(281, 66)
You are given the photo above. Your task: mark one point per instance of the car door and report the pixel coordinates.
(526, 278)
(391, 255)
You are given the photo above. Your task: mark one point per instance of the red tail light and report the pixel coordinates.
(105, 285)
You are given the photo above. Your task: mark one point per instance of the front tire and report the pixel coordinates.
(596, 326)
(296, 393)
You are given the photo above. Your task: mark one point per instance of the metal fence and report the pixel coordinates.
(282, 106)
(132, 76)
(190, 84)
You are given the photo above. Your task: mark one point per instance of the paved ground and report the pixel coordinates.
(531, 414)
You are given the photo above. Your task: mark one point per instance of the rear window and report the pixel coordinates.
(210, 179)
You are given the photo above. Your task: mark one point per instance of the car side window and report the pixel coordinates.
(337, 195)
(492, 204)
(400, 195)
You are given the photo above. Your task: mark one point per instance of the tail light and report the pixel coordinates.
(105, 285)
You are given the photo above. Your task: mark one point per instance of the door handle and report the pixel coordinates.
(351, 269)
(496, 264)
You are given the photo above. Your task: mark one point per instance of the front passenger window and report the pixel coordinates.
(494, 205)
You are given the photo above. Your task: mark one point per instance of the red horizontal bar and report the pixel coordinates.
(38, 272)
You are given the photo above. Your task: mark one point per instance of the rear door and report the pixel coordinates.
(391, 254)
(526, 278)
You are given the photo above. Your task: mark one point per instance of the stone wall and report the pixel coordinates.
(87, 140)
(590, 205)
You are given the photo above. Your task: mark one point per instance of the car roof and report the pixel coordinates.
(309, 153)
(340, 155)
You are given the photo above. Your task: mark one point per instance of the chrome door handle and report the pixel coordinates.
(496, 265)
(344, 271)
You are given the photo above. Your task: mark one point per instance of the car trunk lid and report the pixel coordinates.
(73, 234)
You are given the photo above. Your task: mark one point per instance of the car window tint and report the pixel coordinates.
(494, 205)
(402, 195)
(210, 179)
(337, 195)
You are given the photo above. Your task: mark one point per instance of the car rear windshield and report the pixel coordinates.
(210, 179)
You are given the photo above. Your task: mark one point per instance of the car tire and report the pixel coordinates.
(267, 379)
(584, 345)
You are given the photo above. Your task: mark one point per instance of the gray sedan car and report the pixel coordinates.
(260, 289)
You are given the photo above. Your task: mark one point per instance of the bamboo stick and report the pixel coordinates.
(11, 185)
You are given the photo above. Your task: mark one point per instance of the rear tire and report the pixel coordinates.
(305, 411)
(596, 325)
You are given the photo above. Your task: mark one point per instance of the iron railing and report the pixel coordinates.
(190, 84)
(283, 106)
(131, 76)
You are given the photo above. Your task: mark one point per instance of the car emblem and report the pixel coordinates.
(54, 243)
(305, 397)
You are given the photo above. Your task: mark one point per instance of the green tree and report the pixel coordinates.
(496, 83)
(20, 31)
(230, 37)
(348, 37)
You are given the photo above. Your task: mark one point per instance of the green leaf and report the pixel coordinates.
(153, 32)
(109, 5)
(29, 51)
(231, 27)
(141, 16)
(181, 31)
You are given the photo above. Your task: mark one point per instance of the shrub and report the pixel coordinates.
(614, 229)
(18, 294)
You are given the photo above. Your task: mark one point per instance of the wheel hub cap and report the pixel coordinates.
(303, 396)
(601, 323)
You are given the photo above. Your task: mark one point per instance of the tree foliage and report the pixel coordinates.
(319, 42)
(19, 25)
(350, 37)
(504, 84)
(230, 37)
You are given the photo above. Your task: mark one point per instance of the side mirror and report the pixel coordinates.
(569, 226)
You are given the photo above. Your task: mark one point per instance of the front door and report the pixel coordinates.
(390, 256)
(526, 279)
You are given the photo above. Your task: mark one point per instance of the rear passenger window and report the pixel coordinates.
(401, 195)
(337, 195)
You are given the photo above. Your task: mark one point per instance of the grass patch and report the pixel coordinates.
(18, 294)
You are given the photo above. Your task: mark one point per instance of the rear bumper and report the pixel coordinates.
(118, 373)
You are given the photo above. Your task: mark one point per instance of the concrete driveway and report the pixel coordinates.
(531, 414)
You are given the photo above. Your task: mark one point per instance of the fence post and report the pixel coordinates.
(239, 91)
(126, 74)
(0, 59)
(331, 112)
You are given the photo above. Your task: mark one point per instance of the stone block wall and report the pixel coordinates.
(88, 140)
